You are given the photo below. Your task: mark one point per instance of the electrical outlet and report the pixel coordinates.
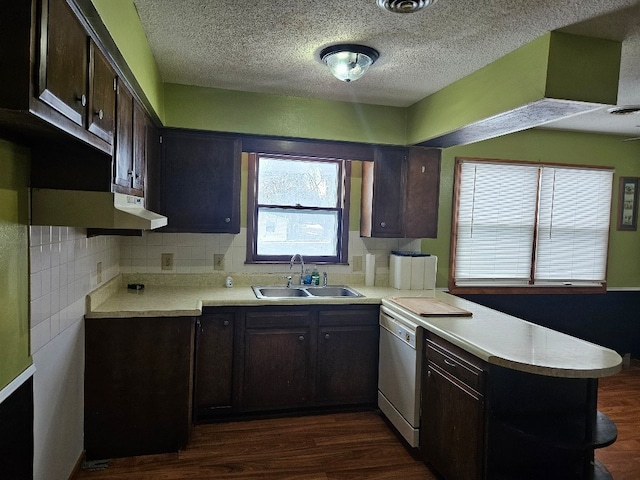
(218, 261)
(167, 261)
(99, 272)
(357, 263)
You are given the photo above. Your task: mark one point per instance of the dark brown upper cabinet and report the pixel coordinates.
(200, 184)
(130, 152)
(400, 191)
(55, 84)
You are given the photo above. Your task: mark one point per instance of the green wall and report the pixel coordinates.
(557, 147)
(14, 263)
(121, 19)
(280, 115)
(556, 65)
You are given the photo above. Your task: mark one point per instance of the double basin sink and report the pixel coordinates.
(305, 291)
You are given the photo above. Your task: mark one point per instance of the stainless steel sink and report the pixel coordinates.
(304, 291)
(331, 291)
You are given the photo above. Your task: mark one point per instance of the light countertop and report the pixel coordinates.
(490, 335)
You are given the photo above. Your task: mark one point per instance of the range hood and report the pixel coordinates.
(74, 208)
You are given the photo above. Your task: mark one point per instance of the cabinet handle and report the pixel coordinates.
(227, 220)
(301, 338)
(383, 224)
(82, 99)
(225, 323)
(99, 114)
(130, 173)
(429, 373)
(450, 363)
(326, 336)
(199, 324)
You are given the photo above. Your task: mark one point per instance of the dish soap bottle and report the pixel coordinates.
(315, 276)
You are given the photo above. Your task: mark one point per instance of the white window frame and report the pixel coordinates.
(519, 227)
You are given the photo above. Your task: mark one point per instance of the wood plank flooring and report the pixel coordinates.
(322, 447)
(619, 399)
(346, 446)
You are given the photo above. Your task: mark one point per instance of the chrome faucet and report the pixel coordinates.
(301, 266)
(325, 280)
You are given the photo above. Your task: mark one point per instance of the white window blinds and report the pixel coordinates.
(573, 234)
(519, 224)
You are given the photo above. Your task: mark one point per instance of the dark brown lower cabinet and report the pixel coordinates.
(297, 357)
(138, 384)
(277, 365)
(347, 356)
(452, 420)
(213, 386)
(482, 421)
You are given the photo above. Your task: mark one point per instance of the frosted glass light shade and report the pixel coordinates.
(348, 62)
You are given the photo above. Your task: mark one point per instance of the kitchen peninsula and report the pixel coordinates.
(532, 391)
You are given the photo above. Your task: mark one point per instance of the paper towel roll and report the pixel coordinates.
(369, 269)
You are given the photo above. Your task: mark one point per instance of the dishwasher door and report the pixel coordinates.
(399, 377)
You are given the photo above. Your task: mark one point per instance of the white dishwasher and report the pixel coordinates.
(399, 371)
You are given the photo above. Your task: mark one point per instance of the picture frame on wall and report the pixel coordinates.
(628, 203)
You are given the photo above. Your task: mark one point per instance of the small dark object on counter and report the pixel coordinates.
(135, 286)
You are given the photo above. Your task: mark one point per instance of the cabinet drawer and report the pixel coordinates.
(467, 370)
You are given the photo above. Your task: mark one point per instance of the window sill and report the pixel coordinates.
(529, 289)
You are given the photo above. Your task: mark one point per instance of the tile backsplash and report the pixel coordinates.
(63, 265)
(194, 253)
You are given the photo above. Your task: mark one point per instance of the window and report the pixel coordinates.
(297, 205)
(526, 224)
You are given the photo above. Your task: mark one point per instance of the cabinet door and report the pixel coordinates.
(123, 162)
(139, 149)
(138, 379)
(201, 182)
(347, 364)
(422, 193)
(451, 426)
(277, 371)
(102, 96)
(383, 184)
(62, 79)
(214, 365)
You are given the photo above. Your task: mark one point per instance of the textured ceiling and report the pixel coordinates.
(272, 46)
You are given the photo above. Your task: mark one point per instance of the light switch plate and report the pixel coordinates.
(166, 260)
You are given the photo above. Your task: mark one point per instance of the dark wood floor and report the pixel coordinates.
(346, 446)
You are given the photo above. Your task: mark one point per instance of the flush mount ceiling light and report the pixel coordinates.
(404, 6)
(348, 62)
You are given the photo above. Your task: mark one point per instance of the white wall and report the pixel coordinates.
(63, 270)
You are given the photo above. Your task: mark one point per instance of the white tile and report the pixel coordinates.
(45, 278)
(63, 296)
(40, 336)
(35, 254)
(46, 235)
(183, 253)
(55, 278)
(35, 285)
(198, 253)
(35, 235)
(55, 325)
(170, 239)
(139, 252)
(154, 238)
